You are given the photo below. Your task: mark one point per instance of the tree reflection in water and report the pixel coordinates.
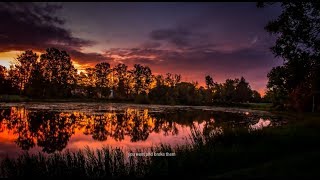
(51, 130)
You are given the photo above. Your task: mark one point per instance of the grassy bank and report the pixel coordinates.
(13, 98)
(18, 98)
(287, 151)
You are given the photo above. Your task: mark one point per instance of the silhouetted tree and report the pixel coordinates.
(34, 87)
(218, 92)
(209, 82)
(59, 73)
(13, 78)
(5, 83)
(90, 82)
(277, 88)
(162, 94)
(228, 90)
(142, 78)
(210, 91)
(171, 80)
(298, 43)
(159, 80)
(24, 65)
(243, 91)
(121, 72)
(186, 93)
(55, 76)
(3, 79)
(256, 96)
(102, 71)
(82, 84)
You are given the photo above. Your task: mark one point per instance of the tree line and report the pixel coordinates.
(53, 75)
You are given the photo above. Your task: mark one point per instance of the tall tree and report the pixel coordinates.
(298, 43)
(102, 81)
(186, 93)
(13, 78)
(121, 72)
(5, 83)
(59, 73)
(208, 94)
(277, 86)
(228, 90)
(161, 93)
(90, 81)
(256, 97)
(176, 79)
(82, 85)
(243, 92)
(24, 65)
(142, 78)
(159, 80)
(209, 82)
(171, 80)
(34, 87)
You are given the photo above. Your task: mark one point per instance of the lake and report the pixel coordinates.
(53, 127)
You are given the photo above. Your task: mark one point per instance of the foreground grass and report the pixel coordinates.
(287, 151)
(302, 165)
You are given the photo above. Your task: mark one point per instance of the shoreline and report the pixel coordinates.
(21, 99)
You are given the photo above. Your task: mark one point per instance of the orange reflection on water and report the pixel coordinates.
(51, 131)
(79, 140)
(7, 136)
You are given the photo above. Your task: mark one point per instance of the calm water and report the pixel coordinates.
(51, 127)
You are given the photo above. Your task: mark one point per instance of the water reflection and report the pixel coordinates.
(52, 130)
(260, 124)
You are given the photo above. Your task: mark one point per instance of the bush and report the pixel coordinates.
(141, 99)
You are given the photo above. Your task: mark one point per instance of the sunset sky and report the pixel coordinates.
(224, 40)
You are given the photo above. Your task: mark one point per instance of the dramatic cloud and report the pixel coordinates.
(34, 26)
(225, 40)
(89, 59)
(25, 25)
(179, 37)
(251, 63)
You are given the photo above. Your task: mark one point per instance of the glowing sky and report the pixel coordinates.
(224, 40)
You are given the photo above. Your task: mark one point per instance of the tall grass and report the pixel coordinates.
(205, 155)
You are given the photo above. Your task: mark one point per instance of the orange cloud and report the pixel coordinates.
(7, 57)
